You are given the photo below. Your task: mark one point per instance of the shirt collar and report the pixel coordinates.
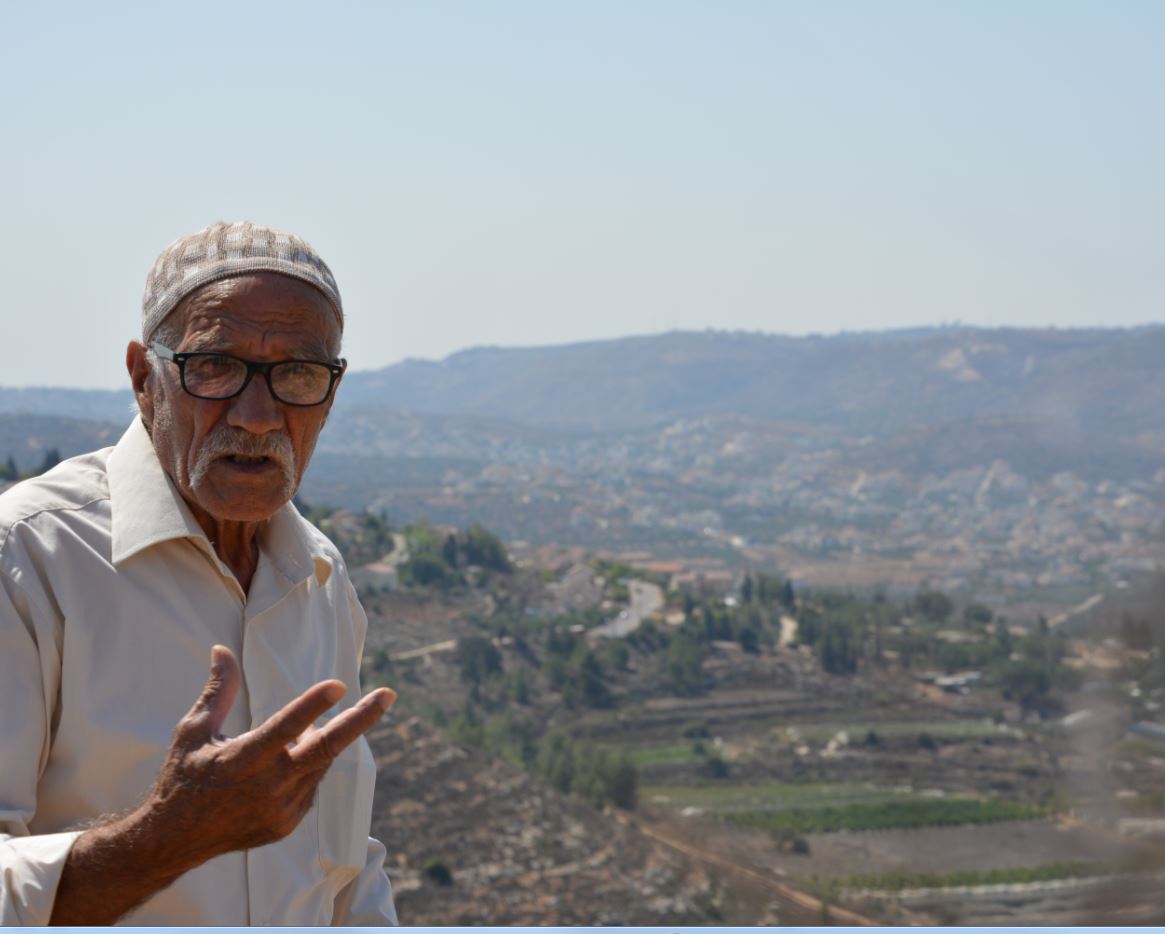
(147, 510)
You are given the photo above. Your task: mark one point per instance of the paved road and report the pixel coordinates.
(646, 599)
(400, 550)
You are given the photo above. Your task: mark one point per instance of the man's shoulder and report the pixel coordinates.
(71, 485)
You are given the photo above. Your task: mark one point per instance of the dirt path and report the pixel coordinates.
(447, 646)
(802, 908)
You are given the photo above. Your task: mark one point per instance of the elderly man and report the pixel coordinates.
(123, 573)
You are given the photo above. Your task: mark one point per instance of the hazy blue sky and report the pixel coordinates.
(541, 172)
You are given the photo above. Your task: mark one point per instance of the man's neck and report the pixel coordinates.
(236, 544)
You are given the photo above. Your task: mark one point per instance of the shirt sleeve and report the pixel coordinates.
(30, 865)
(366, 901)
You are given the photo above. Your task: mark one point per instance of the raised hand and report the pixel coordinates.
(213, 794)
(232, 794)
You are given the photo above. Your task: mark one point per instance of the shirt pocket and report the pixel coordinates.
(344, 813)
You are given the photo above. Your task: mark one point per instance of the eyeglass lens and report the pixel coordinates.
(214, 376)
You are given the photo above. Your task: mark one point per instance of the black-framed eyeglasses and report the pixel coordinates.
(217, 376)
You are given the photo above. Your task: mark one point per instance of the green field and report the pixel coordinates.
(898, 881)
(919, 812)
(724, 798)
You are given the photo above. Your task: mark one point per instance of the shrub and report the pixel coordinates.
(425, 569)
(436, 871)
(714, 767)
(477, 658)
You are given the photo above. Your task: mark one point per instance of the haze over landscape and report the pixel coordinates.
(752, 455)
(689, 592)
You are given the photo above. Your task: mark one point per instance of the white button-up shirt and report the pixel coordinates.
(111, 597)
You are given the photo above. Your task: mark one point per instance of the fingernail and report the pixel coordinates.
(335, 692)
(385, 698)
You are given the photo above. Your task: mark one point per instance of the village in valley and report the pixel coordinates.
(762, 751)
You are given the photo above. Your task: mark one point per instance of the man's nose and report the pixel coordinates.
(255, 409)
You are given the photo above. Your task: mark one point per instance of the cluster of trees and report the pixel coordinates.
(435, 560)
(477, 659)
(847, 632)
(593, 773)
(1146, 636)
(10, 472)
(476, 546)
(614, 571)
(753, 623)
(843, 630)
(762, 589)
(365, 538)
(573, 669)
(440, 561)
(570, 668)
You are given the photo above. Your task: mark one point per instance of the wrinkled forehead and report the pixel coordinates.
(258, 310)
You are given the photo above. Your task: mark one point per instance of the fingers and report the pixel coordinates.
(209, 712)
(323, 745)
(288, 724)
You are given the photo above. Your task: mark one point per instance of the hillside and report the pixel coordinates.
(1016, 464)
(794, 756)
(873, 383)
(28, 438)
(518, 852)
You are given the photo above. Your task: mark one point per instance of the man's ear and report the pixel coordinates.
(137, 362)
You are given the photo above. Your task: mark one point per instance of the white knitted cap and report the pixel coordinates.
(222, 251)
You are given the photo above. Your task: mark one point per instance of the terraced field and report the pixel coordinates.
(727, 799)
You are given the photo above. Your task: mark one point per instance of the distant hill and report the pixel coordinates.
(27, 438)
(1084, 381)
(102, 405)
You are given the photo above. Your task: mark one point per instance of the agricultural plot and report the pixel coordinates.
(939, 730)
(949, 812)
(858, 800)
(725, 799)
(828, 807)
(758, 762)
(902, 880)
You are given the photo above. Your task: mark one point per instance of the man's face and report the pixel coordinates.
(240, 459)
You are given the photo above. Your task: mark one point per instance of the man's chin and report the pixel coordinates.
(247, 495)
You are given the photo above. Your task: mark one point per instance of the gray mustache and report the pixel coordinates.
(225, 441)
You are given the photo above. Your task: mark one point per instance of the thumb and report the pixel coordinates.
(210, 710)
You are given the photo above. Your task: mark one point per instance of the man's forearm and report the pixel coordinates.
(114, 867)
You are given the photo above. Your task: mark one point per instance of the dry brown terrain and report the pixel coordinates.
(520, 853)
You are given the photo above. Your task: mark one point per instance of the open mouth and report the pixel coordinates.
(249, 461)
